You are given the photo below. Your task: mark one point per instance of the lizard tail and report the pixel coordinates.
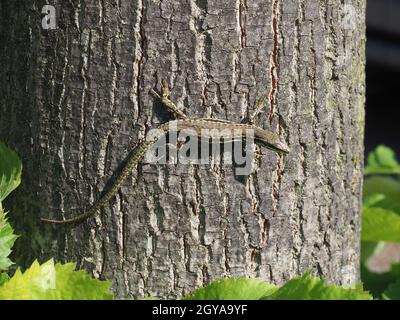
(139, 153)
(69, 221)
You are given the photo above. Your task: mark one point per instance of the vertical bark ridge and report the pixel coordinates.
(84, 103)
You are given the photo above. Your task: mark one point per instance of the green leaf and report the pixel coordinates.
(32, 284)
(10, 171)
(393, 291)
(383, 192)
(299, 288)
(373, 199)
(382, 161)
(307, 287)
(382, 185)
(233, 289)
(73, 285)
(52, 282)
(7, 239)
(380, 225)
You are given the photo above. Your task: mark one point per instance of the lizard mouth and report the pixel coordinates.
(279, 147)
(283, 147)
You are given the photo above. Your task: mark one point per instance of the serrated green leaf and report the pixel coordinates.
(233, 289)
(31, 284)
(10, 171)
(380, 225)
(50, 282)
(78, 285)
(382, 161)
(393, 291)
(307, 287)
(7, 239)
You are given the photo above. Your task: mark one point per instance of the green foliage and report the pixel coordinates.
(378, 283)
(380, 221)
(382, 192)
(373, 199)
(53, 282)
(307, 287)
(10, 178)
(380, 225)
(233, 289)
(382, 161)
(304, 287)
(10, 171)
(393, 291)
(79, 285)
(7, 239)
(389, 187)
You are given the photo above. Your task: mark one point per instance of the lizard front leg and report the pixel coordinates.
(164, 97)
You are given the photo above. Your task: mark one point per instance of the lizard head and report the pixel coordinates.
(272, 141)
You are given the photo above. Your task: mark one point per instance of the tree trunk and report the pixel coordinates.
(75, 101)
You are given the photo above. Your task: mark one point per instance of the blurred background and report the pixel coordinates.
(383, 95)
(383, 74)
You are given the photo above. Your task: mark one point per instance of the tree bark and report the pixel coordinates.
(75, 101)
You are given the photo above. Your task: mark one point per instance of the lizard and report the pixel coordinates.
(268, 139)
